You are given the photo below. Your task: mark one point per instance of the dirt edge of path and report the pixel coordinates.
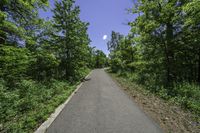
(170, 117)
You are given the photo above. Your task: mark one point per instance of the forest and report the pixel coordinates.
(41, 61)
(162, 50)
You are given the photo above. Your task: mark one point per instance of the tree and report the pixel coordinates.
(71, 38)
(14, 64)
(17, 21)
(15, 18)
(100, 59)
(191, 36)
(164, 44)
(158, 26)
(114, 42)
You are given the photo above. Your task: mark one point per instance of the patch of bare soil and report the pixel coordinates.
(170, 117)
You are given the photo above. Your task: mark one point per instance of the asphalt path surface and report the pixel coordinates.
(100, 106)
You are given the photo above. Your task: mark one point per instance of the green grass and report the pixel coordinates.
(24, 108)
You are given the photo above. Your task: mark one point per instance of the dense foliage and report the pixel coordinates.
(100, 58)
(41, 61)
(28, 104)
(162, 50)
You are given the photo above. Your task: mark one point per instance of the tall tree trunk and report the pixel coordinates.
(132, 59)
(169, 53)
(198, 78)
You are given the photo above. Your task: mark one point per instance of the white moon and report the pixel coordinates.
(105, 37)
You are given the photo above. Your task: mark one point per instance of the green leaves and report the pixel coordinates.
(30, 103)
(73, 38)
(100, 59)
(192, 10)
(14, 63)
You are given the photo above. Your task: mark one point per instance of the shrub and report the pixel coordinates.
(188, 95)
(14, 63)
(30, 103)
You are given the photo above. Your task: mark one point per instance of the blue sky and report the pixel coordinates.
(103, 16)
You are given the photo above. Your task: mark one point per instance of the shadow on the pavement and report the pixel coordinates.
(86, 79)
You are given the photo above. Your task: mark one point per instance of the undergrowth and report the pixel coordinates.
(25, 107)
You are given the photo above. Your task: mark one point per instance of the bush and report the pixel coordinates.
(188, 95)
(14, 63)
(30, 103)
